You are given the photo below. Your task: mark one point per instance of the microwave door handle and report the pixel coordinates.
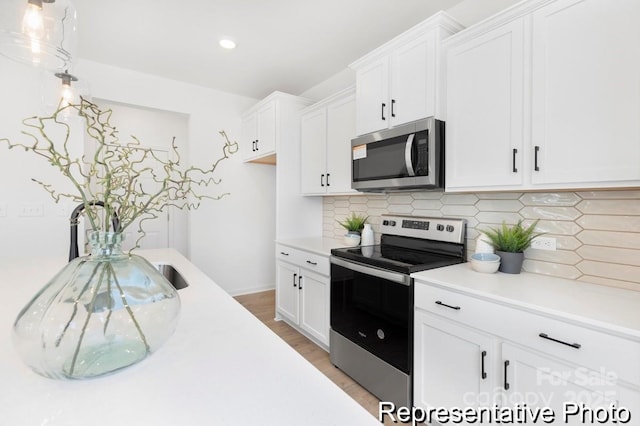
(407, 155)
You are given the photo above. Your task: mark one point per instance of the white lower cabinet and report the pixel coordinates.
(473, 352)
(539, 381)
(302, 292)
(465, 358)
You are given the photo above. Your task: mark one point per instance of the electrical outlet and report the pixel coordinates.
(31, 210)
(544, 243)
(3, 210)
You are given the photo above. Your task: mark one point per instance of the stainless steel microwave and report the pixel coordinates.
(407, 157)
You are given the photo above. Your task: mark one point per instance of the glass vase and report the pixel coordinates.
(99, 314)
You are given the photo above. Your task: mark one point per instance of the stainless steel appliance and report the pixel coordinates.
(406, 157)
(371, 336)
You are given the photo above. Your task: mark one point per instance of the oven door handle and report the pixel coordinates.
(380, 273)
(407, 155)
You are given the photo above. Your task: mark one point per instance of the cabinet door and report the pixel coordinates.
(313, 171)
(266, 134)
(453, 364)
(586, 91)
(341, 128)
(413, 81)
(248, 132)
(287, 293)
(372, 94)
(484, 132)
(541, 381)
(314, 311)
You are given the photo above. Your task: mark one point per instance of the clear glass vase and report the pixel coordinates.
(99, 314)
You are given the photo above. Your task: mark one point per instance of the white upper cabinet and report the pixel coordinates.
(259, 133)
(586, 92)
(266, 123)
(396, 83)
(484, 129)
(326, 132)
(545, 95)
(413, 70)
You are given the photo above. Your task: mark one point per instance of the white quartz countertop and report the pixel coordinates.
(221, 367)
(318, 245)
(613, 309)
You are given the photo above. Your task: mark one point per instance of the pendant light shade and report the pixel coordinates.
(38, 32)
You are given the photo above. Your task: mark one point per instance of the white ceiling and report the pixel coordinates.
(286, 45)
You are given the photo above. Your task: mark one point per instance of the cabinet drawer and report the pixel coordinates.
(596, 350)
(288, 254)
(304, 259)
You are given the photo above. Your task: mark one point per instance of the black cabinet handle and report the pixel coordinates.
(328, 174)
(312, 263)
(393, 103)
(294, 280)
(573, 345)
(482, 358)
(300, 282)
(253, 146)
(284, 254)
(257, 147)
(457, 308)
(535, 158)
(382, 111)
(506, 382)
(515, 169)
(322, 180)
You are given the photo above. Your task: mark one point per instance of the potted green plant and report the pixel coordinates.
(354, 225)
(510, 242)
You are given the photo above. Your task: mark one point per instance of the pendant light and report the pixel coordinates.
(39, 32)
(67, 94)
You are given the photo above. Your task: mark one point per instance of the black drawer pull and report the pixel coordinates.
(294, 280)
(328, 174)
(514, 169)
(573, 345)
(457, 308)
(382, 111)
(321, 180)
(484, 373)
(284, 254)
(506, 382)
(535, 158)
(312, 263)
(393, 103)
(300, 282)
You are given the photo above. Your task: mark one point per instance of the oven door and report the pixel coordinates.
(374, 309)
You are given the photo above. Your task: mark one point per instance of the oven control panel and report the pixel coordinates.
(431, 228)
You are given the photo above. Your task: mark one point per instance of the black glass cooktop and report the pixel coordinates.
(404, 259)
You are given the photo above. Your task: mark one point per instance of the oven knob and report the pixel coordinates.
(392, 222)
(440, 227)
(385, 222)
(380, 334)
(449, 228)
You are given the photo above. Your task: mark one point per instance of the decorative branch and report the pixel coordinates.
(116, 173)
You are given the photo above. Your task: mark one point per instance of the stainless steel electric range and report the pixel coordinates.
(371, 337)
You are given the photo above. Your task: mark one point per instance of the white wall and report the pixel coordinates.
(220, 232)
(47, 234)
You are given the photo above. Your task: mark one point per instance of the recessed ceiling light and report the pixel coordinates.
(227, 43)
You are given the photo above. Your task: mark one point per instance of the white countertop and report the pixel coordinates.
(221, 367)
(613, 309)
(318, 245)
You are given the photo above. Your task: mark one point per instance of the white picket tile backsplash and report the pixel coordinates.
(597, 232)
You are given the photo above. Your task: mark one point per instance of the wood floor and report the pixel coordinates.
(262, 305)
